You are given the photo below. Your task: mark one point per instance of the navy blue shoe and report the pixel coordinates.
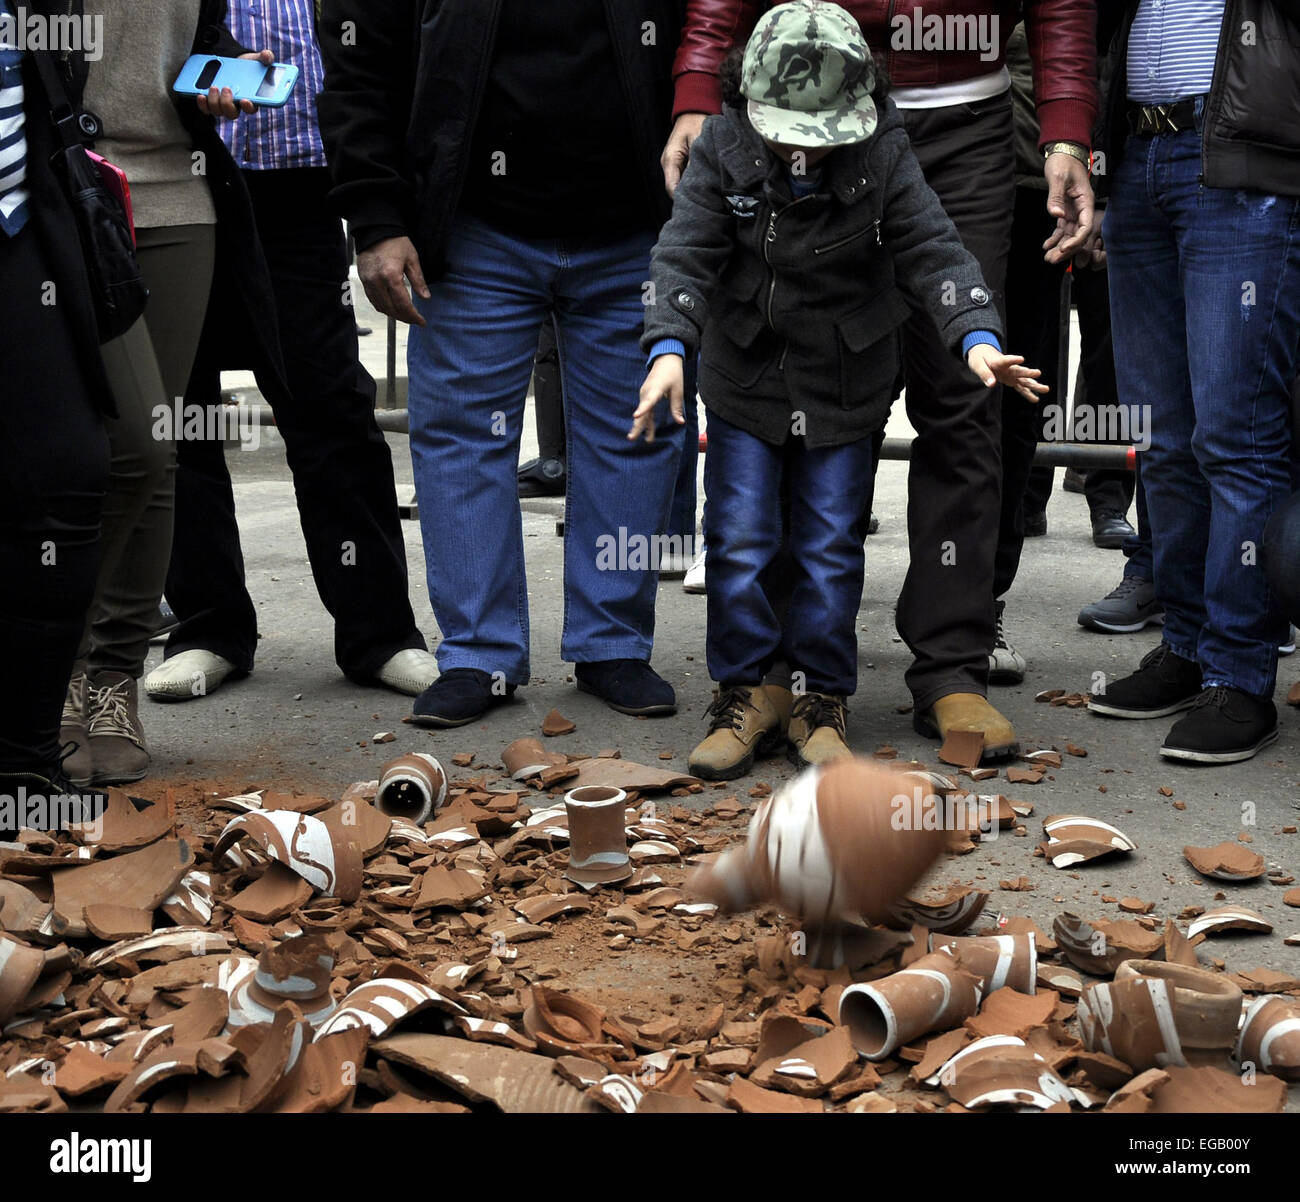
(630, 686)
(458, 696)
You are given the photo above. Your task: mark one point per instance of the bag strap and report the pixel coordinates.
(65, 120)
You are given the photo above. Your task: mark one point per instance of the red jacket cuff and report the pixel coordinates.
(697, 92)
(1066, 120)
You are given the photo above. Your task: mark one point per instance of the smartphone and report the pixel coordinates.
(266, 87)
(115, 184)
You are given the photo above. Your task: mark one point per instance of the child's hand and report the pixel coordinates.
(993, 367)
(666, 378)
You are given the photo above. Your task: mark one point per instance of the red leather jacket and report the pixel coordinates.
(1062, 43)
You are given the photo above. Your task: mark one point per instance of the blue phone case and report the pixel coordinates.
(266, 87)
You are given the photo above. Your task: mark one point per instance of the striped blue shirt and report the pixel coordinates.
(1171, 49)
(13, 139)
(274, 138)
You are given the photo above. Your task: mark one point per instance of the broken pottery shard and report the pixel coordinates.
(998, 960)
(171, 943)
(277, 892)
(108, 921)
(191, 903)
(617, 1093)
(1270, 1037)
(22, 913)
(950, 914)
(483, 1030)
(136, 879)
(20, 967)
(1229, 918)
(381, 1004)
(1100, 946)
(324, 1076)
(1001, 1070)
(963, 748)
(551, 905)
(515, 1082)
(598, 852)
(1077, 838)
(563, 1024)
(450, 888)
(412, 787)
(527, 757)
(1008, 1012)
(628, 776)
(1267, 980)
(81, 1072)
(1226, 861)
(809, 1068)
(302, 843)
(555, 723)
(653, 851)
(1206, 1006)
(1062, 979)
(1207, 1090)
(1023, 776)
(751, 1099)
(366, 826)
(126, 822)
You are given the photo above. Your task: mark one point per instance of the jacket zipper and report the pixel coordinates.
(874, 227)
(767, 258)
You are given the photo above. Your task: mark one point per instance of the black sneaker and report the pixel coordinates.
(630, 686)
(1163, 684)
(1225, 725)
(542, 478)
(458, 696)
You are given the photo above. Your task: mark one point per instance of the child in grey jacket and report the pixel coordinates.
(803, 234)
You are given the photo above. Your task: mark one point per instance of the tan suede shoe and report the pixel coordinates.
(970, 711)
(746, 722)
(817, 729)
(116, 736)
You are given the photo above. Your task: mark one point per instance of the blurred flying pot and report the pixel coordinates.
(998, 960)
(1270, 1037)
(1206, 1005)
(597, 835)
(844, 840)
(935, 993)
(412, 787)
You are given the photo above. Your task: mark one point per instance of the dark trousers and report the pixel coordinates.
(945, 611)
(342, 469)
(53, 477)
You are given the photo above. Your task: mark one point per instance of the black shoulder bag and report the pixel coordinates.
(107, 243)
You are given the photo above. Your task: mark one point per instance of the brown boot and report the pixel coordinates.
(746, 722)
(969, 711)
(77, 767)
(116, 736)
(817, 729)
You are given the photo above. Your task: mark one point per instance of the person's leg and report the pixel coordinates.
(469, 368)
(681, 517)
(1138, 558)
(1280, 555)
(53, 476)
(619, 493)
(545, 476)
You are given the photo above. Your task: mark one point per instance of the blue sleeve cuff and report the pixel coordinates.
(979, 338)
(666, 346)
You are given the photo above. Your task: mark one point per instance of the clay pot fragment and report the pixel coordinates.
(1077, 838)
(1226, 861)
(950, 914)
(527, 757)
(302, 843)
(297, 970)
(383, 1003)
(1206, 1006)
(1099, 946)
(562, 1024)
(598, 852)
(1229, 918)
(998, 960)
(412, 786)
(1270, 1037)
(20, 968)
(1002, 1070)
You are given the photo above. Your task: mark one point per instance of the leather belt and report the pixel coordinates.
(1148, 120)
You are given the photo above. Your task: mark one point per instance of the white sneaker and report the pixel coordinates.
(694, 579)
(410, 672)
(188, 675)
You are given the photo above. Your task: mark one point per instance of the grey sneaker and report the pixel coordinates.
(1128, 607)
(1006, 664)
(116, 736)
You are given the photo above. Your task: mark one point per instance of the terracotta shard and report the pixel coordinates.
(950, 914)
(1099, 946)
(1004, 1071)
(485, 1030)
(81, 1072)
(871, 1103)
(563, 1024)
(997, 960)
(809, 1068)
(412, 786)
(108, 921)
(1024, 776)
(20, 968)
(751, 1099)
(276, 893)
(164, 946)
(179, 974)
(1078, 838)
(138, 880)
(199, 1019)
(363, 824)
(527, 757)
(302, 843)
(628, 776)
(1007, 1012)
(1208, 1090)
(552, 905)
(515, 1082)
(22, 913)
(164, 1064)
(191, 902)
(1061, 978)
(1267, 980)
(324, 1077)
(450, 888)
(1226, 862)
(1206, 1006)
(963, 748)
(1270, 1037)
(1293, 694)
(1229, 918)
(555, 723)
(126, 822)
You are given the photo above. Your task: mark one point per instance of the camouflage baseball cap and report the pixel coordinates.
(808, 76)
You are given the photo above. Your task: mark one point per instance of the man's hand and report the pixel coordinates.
(1070, 201)
(992, 366)
(666, 378)
(677, 150)
(384, 270)
(220, 102)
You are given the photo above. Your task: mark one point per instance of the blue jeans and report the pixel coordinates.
(1205, 306)
(469, 370)
(828, 489)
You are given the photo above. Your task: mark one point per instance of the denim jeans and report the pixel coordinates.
(828, 489)
(469, 369)
(1205, 306)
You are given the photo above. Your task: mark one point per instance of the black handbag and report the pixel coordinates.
(107, 242)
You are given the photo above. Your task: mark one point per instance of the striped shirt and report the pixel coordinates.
(1172, 48)
(13, 139)
(274, 138)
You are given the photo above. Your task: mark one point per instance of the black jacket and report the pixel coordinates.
(796, 304)
(404, 81)
(1251, 136)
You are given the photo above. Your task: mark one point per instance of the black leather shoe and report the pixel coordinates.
(458, 696)
(1225, 725)
(630, 686)
(1109, 529)
(1036, 524)
(542, 478)
(1163, 684)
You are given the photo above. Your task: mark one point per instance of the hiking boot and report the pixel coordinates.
(117, 744)
(968, 711)
(817, 729)
(630, 686)
(1128, 607)
(77, 764)
(458, 696)
(1006, 664)
(1109, 529)
(747, 721)
(1163, 684)
(1225, 725)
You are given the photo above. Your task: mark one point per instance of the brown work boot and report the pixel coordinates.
(77, 766)
(116, 736)
(817, 729)
(969, 711)
(746, 722)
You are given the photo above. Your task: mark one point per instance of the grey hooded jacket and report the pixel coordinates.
(796, 304)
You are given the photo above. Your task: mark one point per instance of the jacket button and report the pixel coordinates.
(862, 183)
(686, 300)
(979, 296)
